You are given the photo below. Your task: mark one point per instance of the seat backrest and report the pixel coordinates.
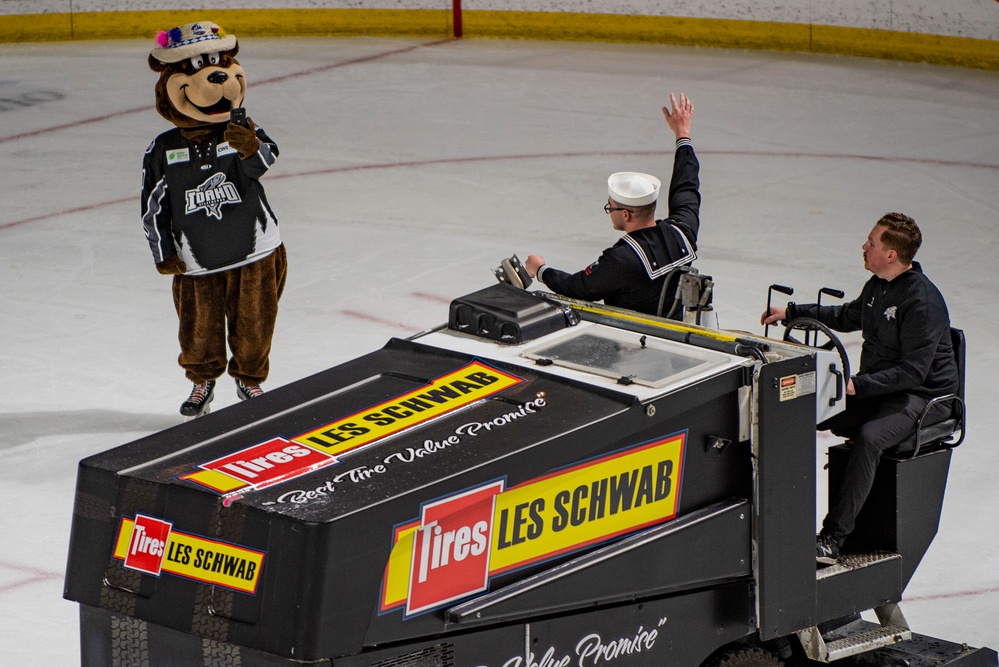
(960, 344)
(940, 433)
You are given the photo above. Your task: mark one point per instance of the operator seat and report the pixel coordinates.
(940, 434)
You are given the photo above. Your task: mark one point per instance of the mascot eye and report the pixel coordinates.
(205, 59)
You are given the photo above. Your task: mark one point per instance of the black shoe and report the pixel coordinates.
(198, 403)
(245, 391)
(826, 549)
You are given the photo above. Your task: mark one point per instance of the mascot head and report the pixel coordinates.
(200, 81)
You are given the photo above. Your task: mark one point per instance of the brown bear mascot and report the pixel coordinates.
(205, 215)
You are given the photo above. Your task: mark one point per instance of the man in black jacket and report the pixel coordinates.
(631, 274)
(906, 360)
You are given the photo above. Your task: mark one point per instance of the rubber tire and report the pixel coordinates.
(749, 656)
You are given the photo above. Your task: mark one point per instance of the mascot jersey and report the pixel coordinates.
(203, 203)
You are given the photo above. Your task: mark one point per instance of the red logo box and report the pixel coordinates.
(269, 463)
(147, 547)
(451, 549)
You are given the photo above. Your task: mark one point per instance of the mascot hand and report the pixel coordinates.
(172, 266)
(243, 139)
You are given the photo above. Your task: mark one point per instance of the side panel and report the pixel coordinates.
(785, 498)
(679, 631)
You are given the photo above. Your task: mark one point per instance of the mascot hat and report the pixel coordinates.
(187, 41)
(633, 188)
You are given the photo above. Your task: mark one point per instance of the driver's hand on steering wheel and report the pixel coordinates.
(774, 314)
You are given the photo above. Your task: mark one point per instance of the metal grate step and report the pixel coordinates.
(866, 641)
(847, 563)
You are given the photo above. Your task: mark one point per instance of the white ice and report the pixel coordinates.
(408, 169)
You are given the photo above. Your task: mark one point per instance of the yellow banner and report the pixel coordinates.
(589, 503)
(202, 559)
(584, 505)
(445, 394)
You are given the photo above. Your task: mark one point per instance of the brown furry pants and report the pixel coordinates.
(239, 305)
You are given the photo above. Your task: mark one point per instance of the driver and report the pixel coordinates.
(906, 360)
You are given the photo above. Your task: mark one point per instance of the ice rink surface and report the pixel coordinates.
(408, 170)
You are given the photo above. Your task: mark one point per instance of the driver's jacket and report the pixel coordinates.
(906, 328)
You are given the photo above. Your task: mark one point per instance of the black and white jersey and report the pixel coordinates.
(202, 202)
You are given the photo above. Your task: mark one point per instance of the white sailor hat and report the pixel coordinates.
(633, 188)
(187, 41)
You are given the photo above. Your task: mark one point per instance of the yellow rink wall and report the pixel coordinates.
(21, 21)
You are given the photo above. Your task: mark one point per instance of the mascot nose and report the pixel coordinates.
(218, 77)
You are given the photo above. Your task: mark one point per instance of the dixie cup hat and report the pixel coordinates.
(633, 188)
(187, 41)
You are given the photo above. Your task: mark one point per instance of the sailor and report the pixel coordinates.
(632, 273)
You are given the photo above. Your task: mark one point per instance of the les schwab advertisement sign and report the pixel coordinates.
(462, 541)
(151, 545)
(279, 460)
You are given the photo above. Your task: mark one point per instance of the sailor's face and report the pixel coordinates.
(616, 213)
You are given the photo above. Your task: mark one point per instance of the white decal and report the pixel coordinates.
(473, 428)
(592, 650)
(300, 497)
(211, 195)
(429, 447)
(407, 455)
(890, 313)
(178, 155)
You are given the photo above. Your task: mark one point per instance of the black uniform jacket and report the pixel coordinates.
(906, 328)
(631, 273)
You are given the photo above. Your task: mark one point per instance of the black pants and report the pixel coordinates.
(873, 425)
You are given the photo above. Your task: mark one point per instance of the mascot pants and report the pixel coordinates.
(239, 306)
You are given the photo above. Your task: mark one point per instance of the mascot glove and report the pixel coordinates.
(172, 266)
(243, 139)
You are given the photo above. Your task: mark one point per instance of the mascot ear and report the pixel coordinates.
(156, 65)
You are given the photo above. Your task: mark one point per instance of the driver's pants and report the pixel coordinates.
(873, 425)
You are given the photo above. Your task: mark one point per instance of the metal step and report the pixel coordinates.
(857, 637)
(851, 562)
(866, 641)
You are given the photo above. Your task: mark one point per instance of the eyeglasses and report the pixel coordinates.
(608, 208)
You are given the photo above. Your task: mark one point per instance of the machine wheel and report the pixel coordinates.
(750, 656)
(833, 342)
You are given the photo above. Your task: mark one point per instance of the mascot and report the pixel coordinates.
(205, 214)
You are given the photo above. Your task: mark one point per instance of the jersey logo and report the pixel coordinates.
(211, 195)
(890, 313)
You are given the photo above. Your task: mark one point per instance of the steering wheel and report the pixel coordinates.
(832, 343)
